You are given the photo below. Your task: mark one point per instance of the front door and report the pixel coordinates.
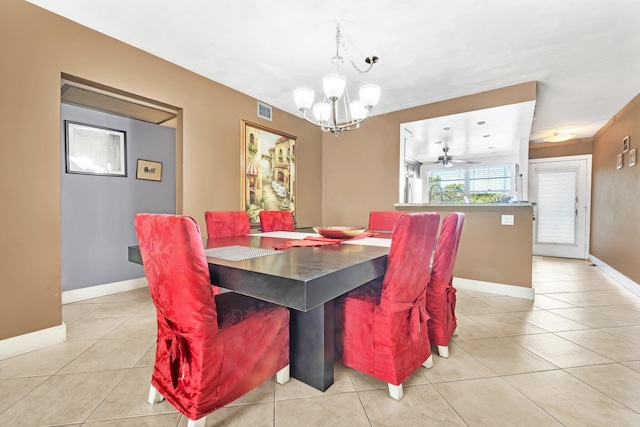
(561, 190)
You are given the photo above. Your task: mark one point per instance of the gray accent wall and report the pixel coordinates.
(97, 211)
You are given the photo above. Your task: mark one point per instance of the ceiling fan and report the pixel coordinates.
(447, 161)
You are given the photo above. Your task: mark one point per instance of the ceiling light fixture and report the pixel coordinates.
(336, 113)
(560, 136)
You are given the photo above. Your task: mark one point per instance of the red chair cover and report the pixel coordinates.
(441, 295)
(226, 224)
(381, 327)
(383, 220)
(276, 221)
(210, 350)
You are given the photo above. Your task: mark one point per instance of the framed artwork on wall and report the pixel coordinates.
(268, 170)
(632, 157)
(625, 144)
(619, 161)
(95, 150)
(149, 170)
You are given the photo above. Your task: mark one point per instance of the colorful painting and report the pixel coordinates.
(268, 171)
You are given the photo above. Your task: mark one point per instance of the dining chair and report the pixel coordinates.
(441, 295)
(381, 327)
(383, 220)
(276, 221)
(210, 349)
(226, 223)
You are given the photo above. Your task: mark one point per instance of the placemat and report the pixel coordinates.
(238, 253)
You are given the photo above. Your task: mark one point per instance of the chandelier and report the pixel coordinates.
(336, 113)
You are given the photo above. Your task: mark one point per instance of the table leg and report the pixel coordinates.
(311, 348)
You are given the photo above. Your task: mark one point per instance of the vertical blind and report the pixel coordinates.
(556, 207)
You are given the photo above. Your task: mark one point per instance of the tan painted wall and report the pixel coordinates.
(37, 47)
(615, 206)
(490, 251)
(574, 147)
(361, 168)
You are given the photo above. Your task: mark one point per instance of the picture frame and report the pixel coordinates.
(95, 150)
(625, 144)
(619, 161)
(268, 170)
(149, 170)
(632, 157)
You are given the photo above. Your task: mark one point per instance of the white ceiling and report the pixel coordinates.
(584, 54)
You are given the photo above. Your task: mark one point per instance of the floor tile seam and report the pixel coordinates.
(26, 394)
(364, 409)
(548, 311)
(107, 395)
(574, 343)
(598, 390)
(501, 378)
(577, 321)
(95, 342)
(533, 401)
(450, 405)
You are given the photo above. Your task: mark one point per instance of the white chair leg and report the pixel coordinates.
(429, 362)
(154, 396)
(200, 422)
(443, 351)
(455, 332)
(283, 375)
(395, 391)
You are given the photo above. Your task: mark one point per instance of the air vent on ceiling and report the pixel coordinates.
(265, 111)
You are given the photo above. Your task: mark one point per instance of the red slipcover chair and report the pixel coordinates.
(441, 295)
(381, 327)
(210, 350)
(276, 221)
(226, 224)
(383, 220)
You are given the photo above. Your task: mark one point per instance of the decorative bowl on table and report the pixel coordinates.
(338, 232)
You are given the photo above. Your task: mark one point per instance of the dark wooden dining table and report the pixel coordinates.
(304, 279)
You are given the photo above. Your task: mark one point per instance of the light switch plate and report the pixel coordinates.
(507, 219)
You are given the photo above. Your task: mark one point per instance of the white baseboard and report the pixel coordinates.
(494, 288)
(21, 344)
(82, 294)
(616, 275)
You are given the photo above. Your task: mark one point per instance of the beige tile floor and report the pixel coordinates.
(571, 357)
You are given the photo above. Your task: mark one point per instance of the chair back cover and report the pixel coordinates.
(276, 221)
(383, 220)
(441, 295)
(226, 223)
(444, 259)
(412, 244)
(176, 269)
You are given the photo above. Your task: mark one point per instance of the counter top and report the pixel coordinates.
(466, 205)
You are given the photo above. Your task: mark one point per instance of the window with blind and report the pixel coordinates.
(472, 185)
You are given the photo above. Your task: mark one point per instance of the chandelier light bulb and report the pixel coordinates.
(322, 111)
(333, 85)
(369, 95)
(303, 97)
(358, 111)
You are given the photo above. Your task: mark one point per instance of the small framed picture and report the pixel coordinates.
(619, 161)
(632, 157)
(149, 170)
(625, 144)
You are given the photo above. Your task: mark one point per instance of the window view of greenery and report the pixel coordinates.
(474, 185)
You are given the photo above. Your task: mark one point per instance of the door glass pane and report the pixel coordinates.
(556, 207)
